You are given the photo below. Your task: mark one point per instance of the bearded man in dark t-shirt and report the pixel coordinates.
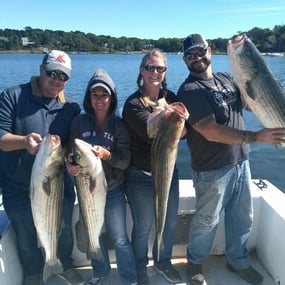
(218, 143)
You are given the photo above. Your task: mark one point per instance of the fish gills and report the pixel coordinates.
(91, 187)
(46, 193)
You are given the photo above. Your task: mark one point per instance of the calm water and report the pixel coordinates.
(267, 162)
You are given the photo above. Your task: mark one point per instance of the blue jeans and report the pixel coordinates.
(225, 189)
(115, 221)
(140, 198)
(22, 221)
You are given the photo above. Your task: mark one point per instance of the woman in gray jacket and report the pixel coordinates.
(100, 127)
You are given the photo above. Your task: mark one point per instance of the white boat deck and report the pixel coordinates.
(214, 270)
(266, 240)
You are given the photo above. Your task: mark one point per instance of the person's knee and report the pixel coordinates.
(208, 223)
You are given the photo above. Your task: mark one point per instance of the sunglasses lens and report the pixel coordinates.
(160, 69)
(190, 56)
(62, 77)
(152, 68)
(200, 53)
(57, 75)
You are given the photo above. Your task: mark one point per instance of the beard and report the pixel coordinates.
(198, 67)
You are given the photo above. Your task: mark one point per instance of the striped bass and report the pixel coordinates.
(165, 126)
(261, 92)
(46, 193)
(91, 188)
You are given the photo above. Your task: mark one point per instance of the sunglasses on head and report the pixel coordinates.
(57, 75)
(201, 52)
(152, 68)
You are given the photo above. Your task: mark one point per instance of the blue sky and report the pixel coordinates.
(147, 19)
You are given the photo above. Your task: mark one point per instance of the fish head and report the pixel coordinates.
(169, 119)
(50, 157)
(243, 53)
(155, 120)
(237, 41)
(84, 156)
(80, 150)
(54, 141)
(49, 144)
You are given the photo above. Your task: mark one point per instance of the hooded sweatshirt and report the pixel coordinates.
(114, 137)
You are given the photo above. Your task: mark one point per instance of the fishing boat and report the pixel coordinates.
(266, 243)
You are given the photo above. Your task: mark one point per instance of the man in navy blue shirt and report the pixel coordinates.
(28, 112)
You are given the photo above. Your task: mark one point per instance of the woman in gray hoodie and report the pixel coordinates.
(107, 132)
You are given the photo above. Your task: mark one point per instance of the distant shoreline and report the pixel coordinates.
(72, 52)
(82, 53)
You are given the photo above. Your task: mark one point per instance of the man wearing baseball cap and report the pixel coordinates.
(28, 112)
(219, 147)
(194, 41)
(57, 60)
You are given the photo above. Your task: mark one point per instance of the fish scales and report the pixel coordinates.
(165, 126)
(261, 92)
(91, 220)
(53, 220)
(46, 194)
(162, 171)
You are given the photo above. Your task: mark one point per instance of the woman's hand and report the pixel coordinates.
(101, 152)
(73, 169)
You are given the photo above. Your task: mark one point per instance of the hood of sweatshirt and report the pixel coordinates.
(102, 78)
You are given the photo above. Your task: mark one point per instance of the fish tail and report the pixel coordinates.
(95, 254)
(50, 269)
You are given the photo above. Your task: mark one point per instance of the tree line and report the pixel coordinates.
(38, 40)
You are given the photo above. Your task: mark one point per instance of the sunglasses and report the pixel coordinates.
(152, 68)
(199, 53)
(57, 75)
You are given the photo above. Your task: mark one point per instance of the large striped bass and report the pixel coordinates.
(91, 187)
(165, 126)
(46, 193)
(261, 92)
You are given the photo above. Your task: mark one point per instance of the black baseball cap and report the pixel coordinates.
(194, 41)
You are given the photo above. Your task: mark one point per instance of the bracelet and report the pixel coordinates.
(248, 137)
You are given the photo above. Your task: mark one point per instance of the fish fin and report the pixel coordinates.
(92, 184)
(46, 185)
(250, 90)
(81, 236)
(50, 269)
(97, 254)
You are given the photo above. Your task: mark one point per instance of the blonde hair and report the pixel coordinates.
(152, 53)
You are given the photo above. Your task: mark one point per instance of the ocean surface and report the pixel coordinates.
(267, 161)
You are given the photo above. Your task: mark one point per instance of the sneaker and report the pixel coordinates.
(194, 274)
(249, 274)
(143, 278)
(169, 273)
(95, 281)
(73, 277)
